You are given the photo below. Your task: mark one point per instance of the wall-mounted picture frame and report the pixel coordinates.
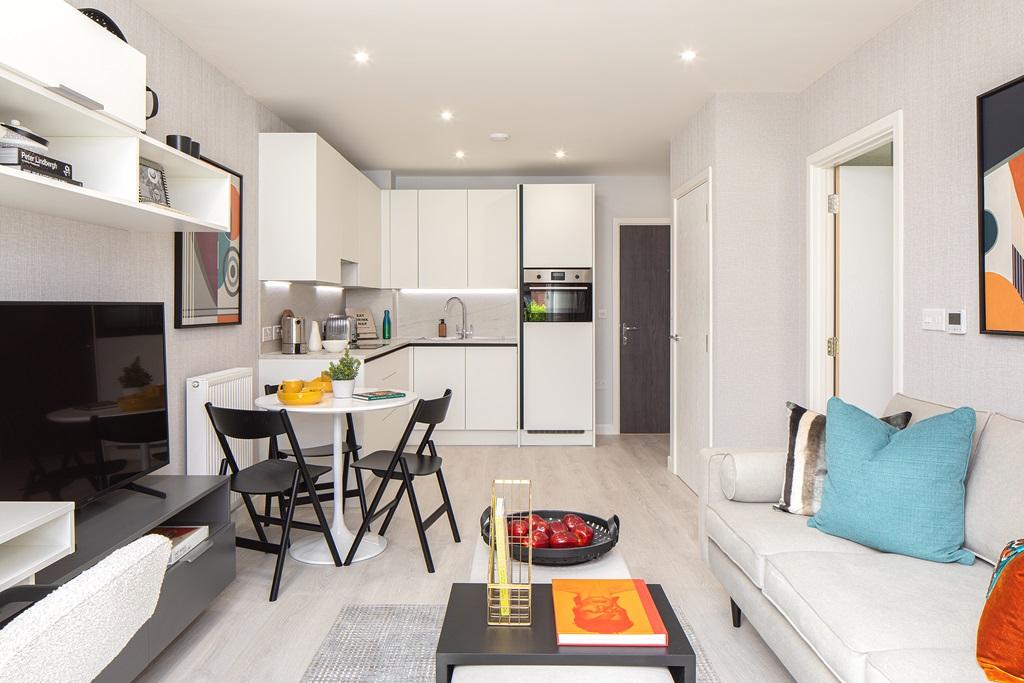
(153, 183)
(1001, 209)
(208, 269)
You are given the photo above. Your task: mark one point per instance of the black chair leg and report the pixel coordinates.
(344, 477)
(266, 508)
(417, 518)
(247, 500)
(322, 519)
(364, 526)
(285, 532)
(448, 507)
(391, 512)
(737, 615)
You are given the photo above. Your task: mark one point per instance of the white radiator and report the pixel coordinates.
(224, 389)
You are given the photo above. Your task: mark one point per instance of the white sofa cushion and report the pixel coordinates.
(750, 532)
(848, 605)
(995, 483)
(924, 666)
(755, 477)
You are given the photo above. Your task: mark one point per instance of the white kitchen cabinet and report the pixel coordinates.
(308, 209)
(381, 430)
(558, 226)
(493, 244)
(368, 221)
(492, 387)
(63, 50)
(558, 376)
(404, 238)
(443, 257)
(436, 368)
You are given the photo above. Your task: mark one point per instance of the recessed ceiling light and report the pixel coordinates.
(560, 154)
(688, 55)
(460, 154)
(361, 57)
(447, 115)
(499, 137)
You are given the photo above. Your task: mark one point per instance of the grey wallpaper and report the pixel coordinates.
(52, 259)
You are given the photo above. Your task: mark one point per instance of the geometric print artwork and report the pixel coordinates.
(208, 270)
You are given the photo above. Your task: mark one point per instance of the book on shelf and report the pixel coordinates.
(606, 612)
(69, 181)
(380, 395)
(38, 163)
(184, 539)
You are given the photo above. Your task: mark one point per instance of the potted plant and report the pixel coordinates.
(343, 375)
(134, 378)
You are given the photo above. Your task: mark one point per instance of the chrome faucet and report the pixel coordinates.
(463, 331)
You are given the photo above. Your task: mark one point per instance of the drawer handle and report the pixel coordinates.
(198, 551)
(76, 96)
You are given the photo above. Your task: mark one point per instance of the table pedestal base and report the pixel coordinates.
(313, 550)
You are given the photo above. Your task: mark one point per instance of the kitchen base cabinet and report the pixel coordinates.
(381, 430)
(436, 368)
(492, 383)
(558, 382)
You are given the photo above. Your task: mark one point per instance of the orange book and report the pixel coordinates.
(600, 612)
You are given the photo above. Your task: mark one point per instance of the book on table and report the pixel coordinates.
(184, 539)
(606, 612)
(380, 395)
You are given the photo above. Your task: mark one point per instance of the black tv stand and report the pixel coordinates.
(148, 490)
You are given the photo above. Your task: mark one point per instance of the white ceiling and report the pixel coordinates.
(601, 79)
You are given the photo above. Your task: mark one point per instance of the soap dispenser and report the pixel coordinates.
(442, 328)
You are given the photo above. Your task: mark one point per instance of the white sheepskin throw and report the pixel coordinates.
(73, 633)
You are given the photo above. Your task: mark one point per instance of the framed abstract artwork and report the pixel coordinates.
(208, 269)
(1001, 208)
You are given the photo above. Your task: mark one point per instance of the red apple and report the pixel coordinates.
(573, 520)
(518, 530)
(563, 539)
(584, 535)
(540, 524)
(557, 526)
(539, 539)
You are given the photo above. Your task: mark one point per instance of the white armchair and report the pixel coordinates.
(75, 631)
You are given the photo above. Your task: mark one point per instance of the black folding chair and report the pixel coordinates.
(405, 467)
(286, 478)
(325, 490)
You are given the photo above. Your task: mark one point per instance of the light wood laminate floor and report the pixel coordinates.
(243, 637)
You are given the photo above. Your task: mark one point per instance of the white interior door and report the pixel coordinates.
(865, 279)
(691, 330)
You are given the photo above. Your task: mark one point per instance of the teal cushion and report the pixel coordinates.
(900, 491)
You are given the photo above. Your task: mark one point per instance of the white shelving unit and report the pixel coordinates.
(33, 535)
(105, 157)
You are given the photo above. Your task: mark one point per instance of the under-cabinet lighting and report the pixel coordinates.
(328, 288)
(277, 283)
(459, 291)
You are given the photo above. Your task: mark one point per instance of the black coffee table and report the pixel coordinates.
(467, 639)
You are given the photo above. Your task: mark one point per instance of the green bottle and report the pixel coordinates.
(387, 324)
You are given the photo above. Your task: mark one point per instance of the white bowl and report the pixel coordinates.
(335, 345)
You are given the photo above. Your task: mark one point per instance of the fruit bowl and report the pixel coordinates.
(306, 397)
(606, 535)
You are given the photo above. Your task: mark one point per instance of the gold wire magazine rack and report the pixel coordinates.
(508, 581)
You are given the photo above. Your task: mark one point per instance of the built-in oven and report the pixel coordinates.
(558, 295)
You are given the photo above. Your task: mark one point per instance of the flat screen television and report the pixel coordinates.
(83, 408)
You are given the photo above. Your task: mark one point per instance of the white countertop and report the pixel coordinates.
(394, 344)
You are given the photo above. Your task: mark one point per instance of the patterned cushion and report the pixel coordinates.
(805, 462)
(897, 491)
(1001, 629)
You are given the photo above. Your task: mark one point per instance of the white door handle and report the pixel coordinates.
(674, 337)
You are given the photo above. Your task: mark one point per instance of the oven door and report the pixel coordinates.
(557, 303)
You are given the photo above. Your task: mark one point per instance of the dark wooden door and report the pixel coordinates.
(643, 335)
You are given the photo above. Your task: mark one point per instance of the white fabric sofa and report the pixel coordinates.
(831, 609)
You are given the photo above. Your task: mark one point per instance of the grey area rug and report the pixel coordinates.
(396, 644)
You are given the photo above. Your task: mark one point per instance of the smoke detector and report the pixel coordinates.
(499, 137)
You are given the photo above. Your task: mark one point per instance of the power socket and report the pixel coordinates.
(277, 332)
(267, 334)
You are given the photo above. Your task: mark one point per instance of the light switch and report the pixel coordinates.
(933, 319)
(602, 313)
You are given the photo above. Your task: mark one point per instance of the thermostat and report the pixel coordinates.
(956, 322)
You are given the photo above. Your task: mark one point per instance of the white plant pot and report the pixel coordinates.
(343, 388)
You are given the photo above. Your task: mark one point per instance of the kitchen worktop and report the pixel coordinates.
(367, 355)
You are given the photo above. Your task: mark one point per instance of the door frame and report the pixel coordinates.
(821, 249)
(617, 225)
(704, 176)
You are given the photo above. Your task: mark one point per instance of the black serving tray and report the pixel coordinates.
(606, 535)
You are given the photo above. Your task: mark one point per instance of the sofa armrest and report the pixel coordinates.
(709, 481)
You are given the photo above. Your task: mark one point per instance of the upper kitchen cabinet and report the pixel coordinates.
(493, 246)
(558, 226)
(368, 219)
(443, 257)
(308, 204)
(403, 228)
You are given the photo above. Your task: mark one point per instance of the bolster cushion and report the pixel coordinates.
(753, 477)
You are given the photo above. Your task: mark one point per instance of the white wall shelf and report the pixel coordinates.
(105, 156)
(33, 535)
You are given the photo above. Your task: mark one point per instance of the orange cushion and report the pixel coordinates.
(1001, 630)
